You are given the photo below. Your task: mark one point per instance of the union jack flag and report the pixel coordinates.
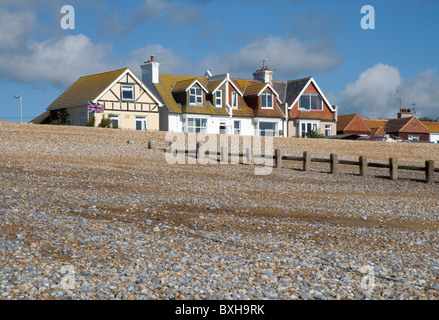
(95, 108)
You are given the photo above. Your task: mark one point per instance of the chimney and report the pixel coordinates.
(405, 113)
(150, 71)
(264, 75)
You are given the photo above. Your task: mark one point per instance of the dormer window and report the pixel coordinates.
(127, 92)
(235, 100)
(195, 96)
(218, 98)
(310, 101)
(267, 100)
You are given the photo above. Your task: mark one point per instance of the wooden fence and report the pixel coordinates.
(334, 162)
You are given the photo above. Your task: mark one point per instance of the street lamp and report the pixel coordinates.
(21, 107)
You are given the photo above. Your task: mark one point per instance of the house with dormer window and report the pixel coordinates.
(220, 104)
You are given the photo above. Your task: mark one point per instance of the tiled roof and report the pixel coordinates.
(376, 123)
(344, 120)
(183, 85)
(395, 125)
(254, 89)
(172, 83)
(86, 89)
(352, 123)
(432, 126)
(294, 88)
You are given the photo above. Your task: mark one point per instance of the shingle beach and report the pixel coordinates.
(88, 213)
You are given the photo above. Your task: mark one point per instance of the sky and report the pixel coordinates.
(371, 71)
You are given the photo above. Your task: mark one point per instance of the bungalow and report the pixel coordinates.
(221, 104)
(352, 124)
(118, 95)
(405, 127)
(408, 128)
(433, 127)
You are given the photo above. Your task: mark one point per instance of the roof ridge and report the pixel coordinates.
(101, 73)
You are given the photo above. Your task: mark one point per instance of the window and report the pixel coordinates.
(114, 120)
(127, 92)
(267, 129)
(218, 98)
(311, 102)
(235, 99)
(306, 128)
(267, 100)
(195, 96)
(82, 118)
(197, 125)
(413, 137)
(140, 123)
(328, 130)
(237, 127)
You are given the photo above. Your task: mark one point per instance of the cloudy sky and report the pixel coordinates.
(362, 71)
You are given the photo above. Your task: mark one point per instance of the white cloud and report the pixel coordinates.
(14, 27)
(423, 91)
(374, 94)
(57, 61)
(288, 56)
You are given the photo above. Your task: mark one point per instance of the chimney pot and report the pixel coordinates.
(152, 58)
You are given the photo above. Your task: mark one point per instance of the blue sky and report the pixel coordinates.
(362, 71)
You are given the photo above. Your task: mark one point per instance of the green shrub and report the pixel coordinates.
(91, 122)
(315, 134)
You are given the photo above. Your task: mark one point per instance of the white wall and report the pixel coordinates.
(434, 137)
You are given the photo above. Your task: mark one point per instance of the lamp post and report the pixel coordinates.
(21, 107)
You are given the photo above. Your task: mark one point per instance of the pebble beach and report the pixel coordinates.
(94, 214)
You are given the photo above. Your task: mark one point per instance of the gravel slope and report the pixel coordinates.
(89, 213)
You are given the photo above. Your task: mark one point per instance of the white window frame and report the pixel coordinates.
(328, 130)
(196, 128)
(414, 137)
(305, 127)
(218, 99)
(237, 129)
(274, 131)
(268, 101)
(235, 100)
(197, 93)
(309, 108)
(143, 121)
(127, 88)
(113, 118)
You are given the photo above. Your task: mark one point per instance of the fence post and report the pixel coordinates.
(224, 155)
(334, 163)
(278, 156)
(363, 166)
(393, 163)
(429, 171)
(151, 144)
(249, 155)
(306, 161)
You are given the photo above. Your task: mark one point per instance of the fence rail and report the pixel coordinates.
(278, 157)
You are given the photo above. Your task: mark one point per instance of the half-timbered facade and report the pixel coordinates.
(124, 98)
